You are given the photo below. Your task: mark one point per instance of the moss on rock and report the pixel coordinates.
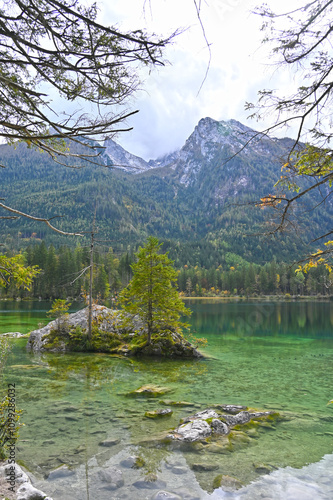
(112, 333)
(149, 391)
(156, 414)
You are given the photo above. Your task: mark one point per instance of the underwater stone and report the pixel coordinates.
(62, 471)
(263, 468)
(72, 418)
(150, 485)
(133, 462)
(169, 402)
(112, 476)
(227, 483)
(219, 448)
(178, 470)
(71, 408)
(167, 412)
(200, 467)
(166, 495)
(149, 391)
(109, 442)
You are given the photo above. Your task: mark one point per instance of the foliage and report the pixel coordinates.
(50, 47)
(63, 44)
(14, 269)
(204, 270)
(151, 293)
(59, 308)
(197, 341)
(302, 39)
(76, 339)
(203, 218)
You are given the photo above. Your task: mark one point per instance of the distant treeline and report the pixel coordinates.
(65, 273)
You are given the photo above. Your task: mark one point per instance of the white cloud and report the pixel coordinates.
(169, 103)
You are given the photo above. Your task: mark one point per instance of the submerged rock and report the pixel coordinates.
(149, 391)
(227, 483)
(150, 482)
(166, 495)
(109, 442)
(169, 402)
(111, 478)
(262, 468)
(201, 467)
(133, 462)
(167, 412)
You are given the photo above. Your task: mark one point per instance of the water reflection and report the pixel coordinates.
(302, 318)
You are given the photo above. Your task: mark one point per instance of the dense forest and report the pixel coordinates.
(64, 272)
(199, 200)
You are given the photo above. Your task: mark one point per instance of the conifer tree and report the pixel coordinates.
(151, 293)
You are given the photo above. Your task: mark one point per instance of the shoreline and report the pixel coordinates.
(272, 298)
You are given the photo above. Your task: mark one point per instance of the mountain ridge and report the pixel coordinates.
(198, 193)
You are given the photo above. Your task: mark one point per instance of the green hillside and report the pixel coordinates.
(200, 200)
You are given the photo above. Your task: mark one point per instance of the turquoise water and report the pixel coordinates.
(265, 355)
(25, 316)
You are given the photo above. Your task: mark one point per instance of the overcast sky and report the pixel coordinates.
(169, 103)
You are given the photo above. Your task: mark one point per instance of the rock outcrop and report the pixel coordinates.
(213, 423)
(124, 336)
(12, 476)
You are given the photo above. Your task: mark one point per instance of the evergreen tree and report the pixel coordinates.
(151, 293)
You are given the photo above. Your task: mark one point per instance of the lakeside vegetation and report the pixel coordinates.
(226, 275)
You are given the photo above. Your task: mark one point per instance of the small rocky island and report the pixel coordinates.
(113, 332)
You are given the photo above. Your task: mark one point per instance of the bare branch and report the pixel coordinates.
(39, 219)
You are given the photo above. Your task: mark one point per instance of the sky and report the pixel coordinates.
(173, 98)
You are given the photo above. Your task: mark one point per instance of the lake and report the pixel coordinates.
(265, 355)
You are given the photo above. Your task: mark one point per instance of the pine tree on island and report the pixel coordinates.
(152, 294)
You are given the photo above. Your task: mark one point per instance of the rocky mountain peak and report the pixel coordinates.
(117, 156)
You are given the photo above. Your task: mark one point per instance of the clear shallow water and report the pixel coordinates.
(25, 316)
(264, 355)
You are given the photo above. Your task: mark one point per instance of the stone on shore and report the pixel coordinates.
(25, 490)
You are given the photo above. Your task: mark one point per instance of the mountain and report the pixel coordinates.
(196, 198)
(118, 157)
